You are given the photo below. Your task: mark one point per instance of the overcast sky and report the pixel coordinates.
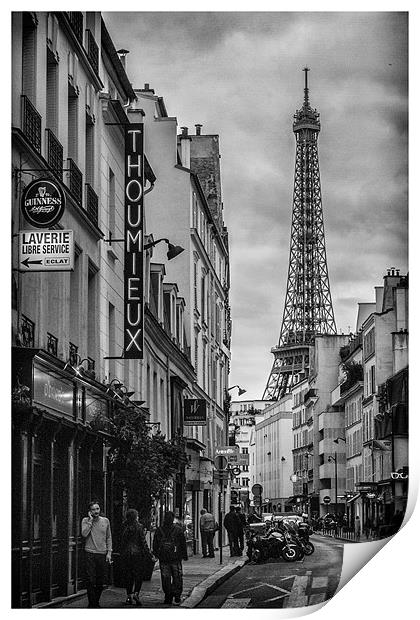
(240, 76)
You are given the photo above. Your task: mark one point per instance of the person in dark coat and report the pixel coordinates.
(233, 526)
(134, 555)
(242, 519)
(170, 547)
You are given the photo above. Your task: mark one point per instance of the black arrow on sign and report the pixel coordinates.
(28, 262)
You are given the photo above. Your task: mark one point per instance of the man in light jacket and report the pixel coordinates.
(96, 531)
(207, 530)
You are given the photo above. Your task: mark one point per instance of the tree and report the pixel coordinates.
(142, 463)
(353, 372)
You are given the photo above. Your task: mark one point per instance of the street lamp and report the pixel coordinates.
(173, 250)
(334, 458)
(240, 390)
(330, 460)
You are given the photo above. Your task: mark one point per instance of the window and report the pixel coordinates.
(92, 311)
(75, 299)
(29, 56)
(72, 125)
(195, 287)
(203, 297)
(111, 201)
(52, 93)
(111, 339)
(369, 343)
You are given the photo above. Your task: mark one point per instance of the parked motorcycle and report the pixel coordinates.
(274, 545)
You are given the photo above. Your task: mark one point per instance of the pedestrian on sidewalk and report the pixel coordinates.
(170, 547)
(135, 555)
(242, 520)
(207, 531)
(233, 526)
(357, 528)
(96, 531)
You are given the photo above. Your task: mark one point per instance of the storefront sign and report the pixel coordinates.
(195, 412)
(226, 450)
(52, 392)
(46, 250)
(43, 203)
(133, 241)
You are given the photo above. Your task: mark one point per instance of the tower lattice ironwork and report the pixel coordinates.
(308, 307)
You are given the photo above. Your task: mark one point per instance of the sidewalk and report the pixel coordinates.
(201, 576)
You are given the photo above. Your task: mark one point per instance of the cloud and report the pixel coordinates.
(239, 74)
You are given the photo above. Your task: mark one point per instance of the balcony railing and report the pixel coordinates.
(76, 22)
(92, 50)
(52, 344)
(54, 154)
(31, 123)
(91, 204)
(75, 181)
(73, 354)
(28, 332)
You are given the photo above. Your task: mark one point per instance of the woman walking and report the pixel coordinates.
(134, 553)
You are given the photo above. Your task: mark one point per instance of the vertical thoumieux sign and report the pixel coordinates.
(133, 242)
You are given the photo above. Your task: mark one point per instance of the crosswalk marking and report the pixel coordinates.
(236, 603)
(315, 599)
(319, 582)
(298, 596)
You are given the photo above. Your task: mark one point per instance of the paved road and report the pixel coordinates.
(277, 584)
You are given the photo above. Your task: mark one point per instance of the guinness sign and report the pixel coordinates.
(43, 203)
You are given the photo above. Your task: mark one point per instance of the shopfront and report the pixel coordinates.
(58, 465)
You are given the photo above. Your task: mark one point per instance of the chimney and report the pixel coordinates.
(198, 129)
(185, 147)
(122, 53)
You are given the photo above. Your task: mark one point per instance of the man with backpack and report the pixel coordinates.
(170, 547)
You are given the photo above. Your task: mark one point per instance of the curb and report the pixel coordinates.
(204, 588)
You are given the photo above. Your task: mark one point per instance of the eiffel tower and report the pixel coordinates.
(308, 307)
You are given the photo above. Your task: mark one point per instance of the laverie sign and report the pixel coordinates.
(46, 250)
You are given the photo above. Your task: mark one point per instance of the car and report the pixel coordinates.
(287, 516)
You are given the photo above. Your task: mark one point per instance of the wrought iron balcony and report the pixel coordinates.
(54, 154)
(73, 354)
(28, 332)
(91, 204)
(52, 344)
(76, 21)
(75, 181)
(31, 123)
(92, 50)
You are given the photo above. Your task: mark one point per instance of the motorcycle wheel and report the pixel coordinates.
(309, 548)
(290, 553)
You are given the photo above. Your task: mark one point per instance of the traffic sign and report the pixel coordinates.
(220, 462)
(46, 250)
(327, 499)
(257, 489)
(236, 471)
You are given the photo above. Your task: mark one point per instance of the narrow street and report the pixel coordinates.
(277, 584)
